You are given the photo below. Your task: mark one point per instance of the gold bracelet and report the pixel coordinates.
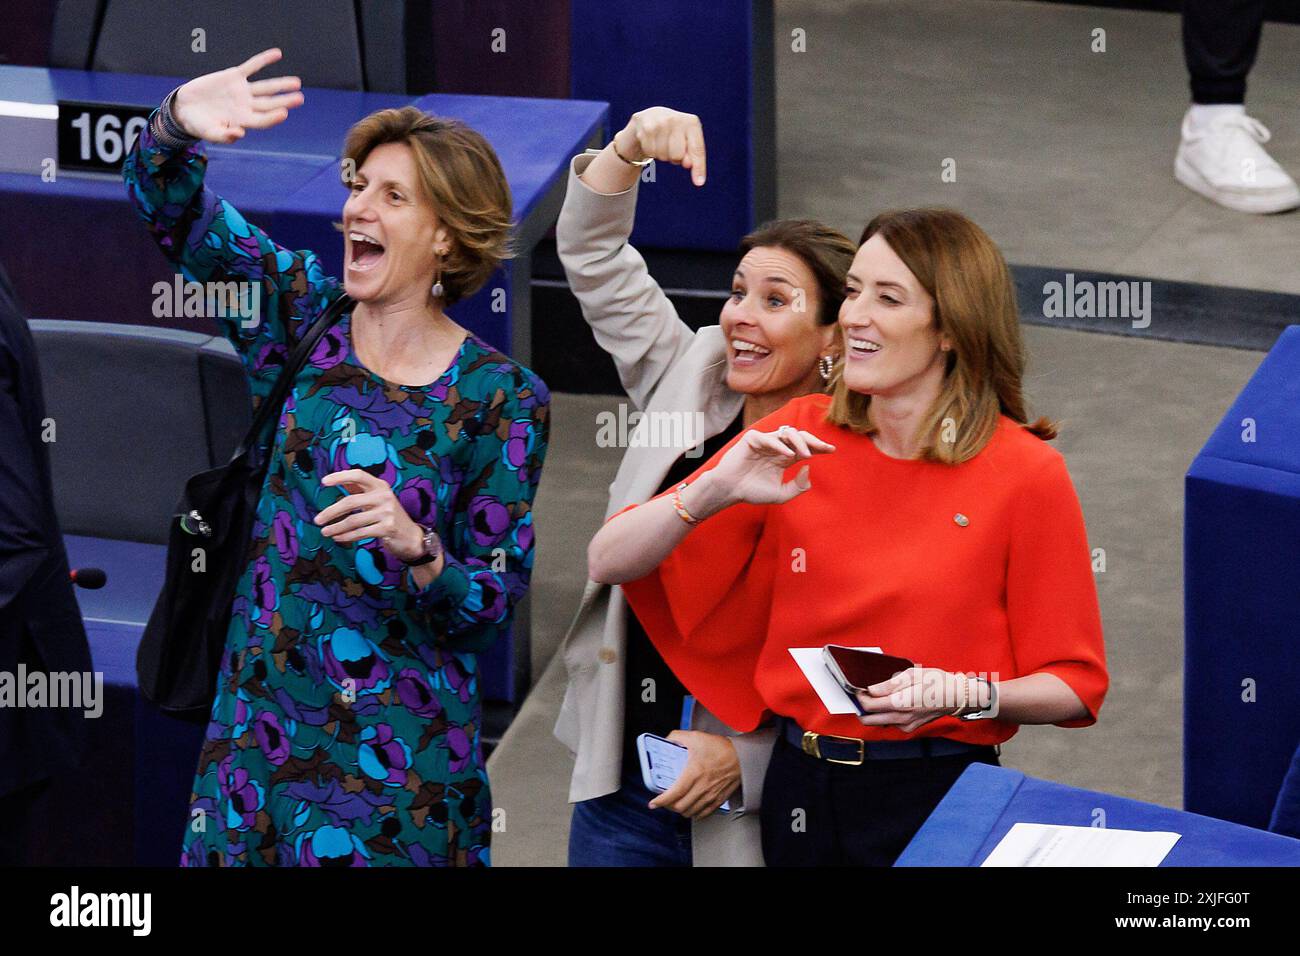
(680, 507)
(639, 163)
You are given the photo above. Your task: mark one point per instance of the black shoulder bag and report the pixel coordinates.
(180, 654)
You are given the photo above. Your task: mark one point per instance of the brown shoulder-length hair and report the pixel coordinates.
(975, 306)
(460, 175)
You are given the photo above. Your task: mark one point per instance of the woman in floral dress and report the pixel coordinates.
(394, 534)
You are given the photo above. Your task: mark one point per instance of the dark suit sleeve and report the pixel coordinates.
(23, 542)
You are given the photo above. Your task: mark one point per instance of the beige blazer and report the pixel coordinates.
(674, 376)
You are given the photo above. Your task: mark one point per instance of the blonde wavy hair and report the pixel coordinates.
(975, 306)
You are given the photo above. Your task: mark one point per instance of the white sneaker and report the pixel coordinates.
(1224, 162)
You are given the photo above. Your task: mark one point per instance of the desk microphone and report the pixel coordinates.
(88, 578)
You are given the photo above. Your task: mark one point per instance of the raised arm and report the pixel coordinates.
(628, 312)
(258, 289)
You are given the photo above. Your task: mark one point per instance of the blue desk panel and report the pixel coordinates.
(315, 129)
(534, 139)
(527, 134)
(1241, 584)
(987, 801)
(30, 84)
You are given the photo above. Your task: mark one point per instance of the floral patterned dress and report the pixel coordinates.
(345, 730)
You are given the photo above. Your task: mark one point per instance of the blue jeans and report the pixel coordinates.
(618, 829)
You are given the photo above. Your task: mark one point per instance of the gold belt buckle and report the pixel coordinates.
(813, 748)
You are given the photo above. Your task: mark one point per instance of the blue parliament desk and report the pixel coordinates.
(985, 802)
(1241, 591)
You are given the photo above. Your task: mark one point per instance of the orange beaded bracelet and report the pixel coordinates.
(680, 507)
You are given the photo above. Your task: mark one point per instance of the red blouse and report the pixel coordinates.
(875, 555)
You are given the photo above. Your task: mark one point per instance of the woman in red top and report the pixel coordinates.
(935, 524)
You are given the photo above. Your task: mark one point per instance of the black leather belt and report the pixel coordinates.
(854, 752)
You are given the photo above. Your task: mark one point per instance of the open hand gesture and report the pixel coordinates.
(221, 106)
(753, 469)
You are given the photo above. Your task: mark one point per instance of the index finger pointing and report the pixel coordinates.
(695, 150)
(259, 60)
(817, 444)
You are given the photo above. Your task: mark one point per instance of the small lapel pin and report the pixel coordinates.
(961, 519)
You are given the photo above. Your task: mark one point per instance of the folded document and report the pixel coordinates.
(1045, 844)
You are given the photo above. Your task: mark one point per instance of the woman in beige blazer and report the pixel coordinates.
(777, 339)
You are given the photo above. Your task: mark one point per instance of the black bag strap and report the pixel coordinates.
(273, 402)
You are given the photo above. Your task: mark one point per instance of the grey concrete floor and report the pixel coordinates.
(1063, 155)
(1134, 413)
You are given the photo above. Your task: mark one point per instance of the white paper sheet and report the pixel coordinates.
(813, 665)
(1044, 844)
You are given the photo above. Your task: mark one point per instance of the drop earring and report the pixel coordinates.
(437, 291)
(825, 365)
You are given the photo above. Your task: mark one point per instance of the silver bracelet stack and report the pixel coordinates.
(166, 130)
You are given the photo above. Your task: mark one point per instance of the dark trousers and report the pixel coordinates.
(1220, 39)
(816, 813)
(16, 811)
(619, 829)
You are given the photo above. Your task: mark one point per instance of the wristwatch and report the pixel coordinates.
(988, 712)
(432, 548)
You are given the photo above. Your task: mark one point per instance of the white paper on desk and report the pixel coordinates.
(1044, 844)
(813, 665)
